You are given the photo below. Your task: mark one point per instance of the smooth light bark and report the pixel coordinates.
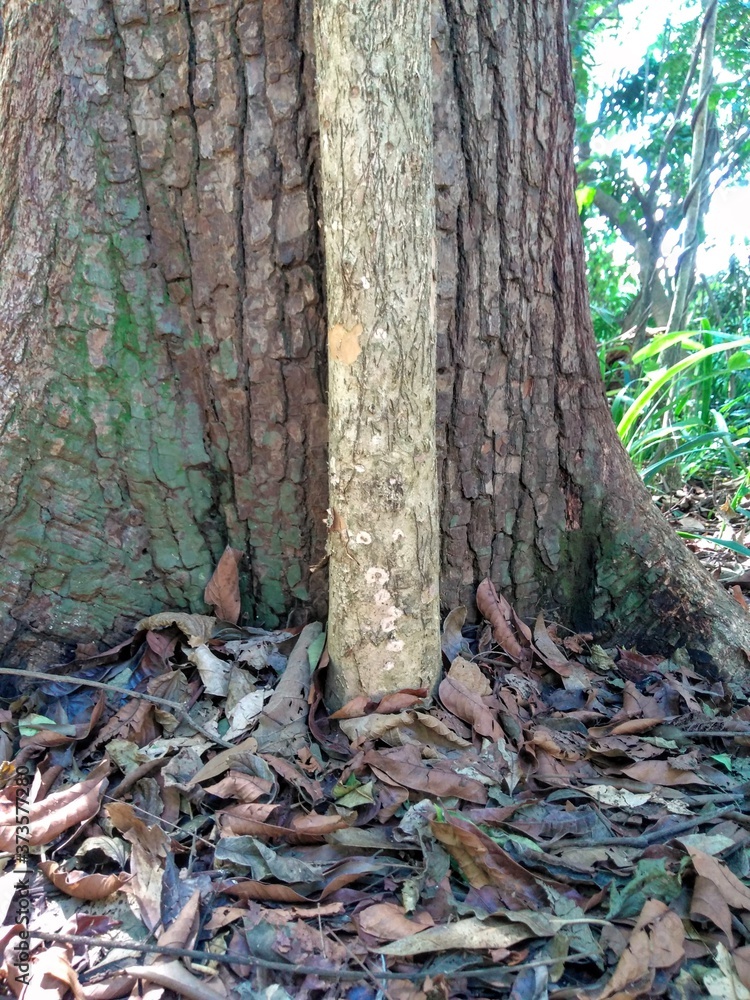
(697, 198)
(162, 315)
(375, 113)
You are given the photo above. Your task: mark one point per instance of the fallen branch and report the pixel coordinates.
(173, 707)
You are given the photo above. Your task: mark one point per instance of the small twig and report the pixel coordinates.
(723, 734)
(135, 776)
(653, 836)
(233, 958)
(176, 709)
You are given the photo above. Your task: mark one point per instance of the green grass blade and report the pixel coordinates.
(742, 550)
(636, 408)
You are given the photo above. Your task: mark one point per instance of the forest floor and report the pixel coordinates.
(560, 820)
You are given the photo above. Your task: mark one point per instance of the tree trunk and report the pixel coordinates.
(378, 191)
(163, 316)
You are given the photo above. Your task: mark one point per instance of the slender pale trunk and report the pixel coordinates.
(696, 201)
(374, 77)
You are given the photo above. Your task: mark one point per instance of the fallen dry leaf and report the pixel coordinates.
(388, 922)
(223, 589)
(55, 813)
(81, 885)
(499, 614)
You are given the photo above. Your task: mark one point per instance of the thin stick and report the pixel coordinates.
(233, 958)
(178, 710)
(652, 836)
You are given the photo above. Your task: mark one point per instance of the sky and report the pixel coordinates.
(728, 220)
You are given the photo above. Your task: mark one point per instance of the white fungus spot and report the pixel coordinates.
(377, 576)
(389, 665)
(388, 622)
(394, 645)
(359, 468)
(382, 597)
(365, 283)
(363, 538)
(397, 535)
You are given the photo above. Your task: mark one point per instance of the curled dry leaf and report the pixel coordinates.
(174, 976)
(183, 930)
(51, 977)
(398, 730)
(81, 885)
(51, 816)
(214, 672)
(483, 862)
(469, 674)
(468, 706)
(223, 589)
(499, 614)
(199, 627)
(452, 641)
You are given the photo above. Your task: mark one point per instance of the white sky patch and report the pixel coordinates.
(622, 50)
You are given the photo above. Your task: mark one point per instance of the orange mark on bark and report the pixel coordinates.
(343, 344)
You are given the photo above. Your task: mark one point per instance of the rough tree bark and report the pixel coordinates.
(162, 311)
(375, 111)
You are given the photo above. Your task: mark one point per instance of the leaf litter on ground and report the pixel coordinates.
(560, 820)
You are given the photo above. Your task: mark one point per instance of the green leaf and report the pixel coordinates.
(724, 759)
(739, 361)
(584, 196)
(315, 649)
(726, 542)
(664, 340)
(624, 428)
(694, 444)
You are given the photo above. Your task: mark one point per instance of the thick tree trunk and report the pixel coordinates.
(375, 110)
(162, 311)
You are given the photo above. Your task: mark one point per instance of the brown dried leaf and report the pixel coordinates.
(81, 885)
(468, 706)
(224, 760)
(52, 976)
(355, 708)
(50, 738)
(471, 934)
(174, 976)
(657, 942)
(417, 728)
(483, 862)
(183, 930)
(395, 767)
(736, 894)
(388, 922)
(469, 674)
(309, 788)
(223, 589)
(496, 610)
(239, 786)
(709, 904)
(50, 816)
(112, 988)
(199, 627)
(661, 772)
(149, 849)
(548, 651)
(399, 701)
